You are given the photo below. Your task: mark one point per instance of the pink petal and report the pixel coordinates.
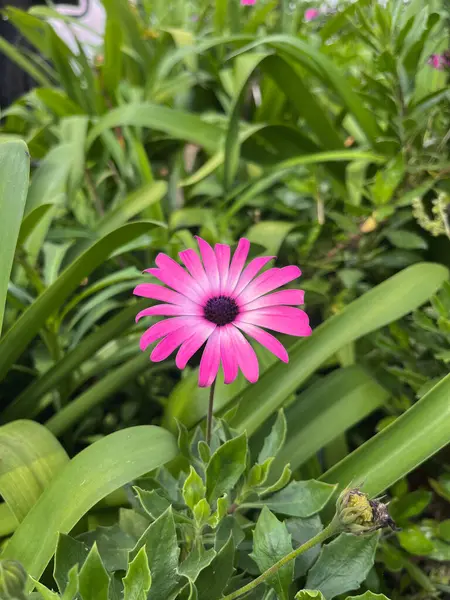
(245, 356)
(203, 330)
(176, 271)
(266, 282)
(191, 259)
(170, 343)
(285, 297)
(265, 339)
(209, 364)
(186, 288)
(252, 269)
(210, 263)
(163, 328)
(237, 264)
(171, 310)
(223, 263)
(158, 292)
(227, 354)
(284, 319)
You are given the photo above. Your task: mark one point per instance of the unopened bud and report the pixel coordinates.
(12, 580)
(358, 514)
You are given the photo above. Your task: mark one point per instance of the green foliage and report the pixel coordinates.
(324, 143)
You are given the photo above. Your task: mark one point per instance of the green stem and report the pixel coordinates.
(209, 417)
(326, 533)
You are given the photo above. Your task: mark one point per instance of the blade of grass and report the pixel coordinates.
(27, 326)
(399, 448)
(392, 299)
(14, 173)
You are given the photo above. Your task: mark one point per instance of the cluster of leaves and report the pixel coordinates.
(193, 536)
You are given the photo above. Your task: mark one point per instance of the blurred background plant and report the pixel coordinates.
(323, 140)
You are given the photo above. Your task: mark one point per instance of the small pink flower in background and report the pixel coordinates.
(440, 61)
(311, 14)
(248, 2)
(216, 300)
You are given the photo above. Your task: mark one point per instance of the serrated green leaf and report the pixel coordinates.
(197, 560)
(271, 542)
(343, 564)
(280, 483)
(225, 467)
(94, 578)
(138, 580)
(302, 530)
(193, 489)
(299, 498)
(153, 502)
(275, 440)
(201, 511)
(73, 584)
(213, 580)
(161, 545)
(70, 554)
(45, 592)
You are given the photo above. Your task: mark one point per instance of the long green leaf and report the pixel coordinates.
(179, 124)
(326, 410)
(31, 457)
(397, 450)
(389, 301)
(14, 172)
(93, 474)
(26, 327)
(321, 66)
(27, 403)
(70, 414)
(283, 168)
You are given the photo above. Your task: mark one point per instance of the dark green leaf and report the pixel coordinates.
(212, 581)
(225, 467)
(271, 542)
(300, 498)
(343, 564)
(198, 559)
(69, 554)
(301, 531)
(161, 545)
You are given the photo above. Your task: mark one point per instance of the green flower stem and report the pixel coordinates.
(209, 418)
(321, 537)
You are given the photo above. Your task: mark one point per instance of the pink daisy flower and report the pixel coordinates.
(248, 2)
(215, 300)
(311, 14)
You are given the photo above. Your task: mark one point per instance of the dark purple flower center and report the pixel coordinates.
(221, 310)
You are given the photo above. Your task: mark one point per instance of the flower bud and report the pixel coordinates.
(12, 580)
(358, 514)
